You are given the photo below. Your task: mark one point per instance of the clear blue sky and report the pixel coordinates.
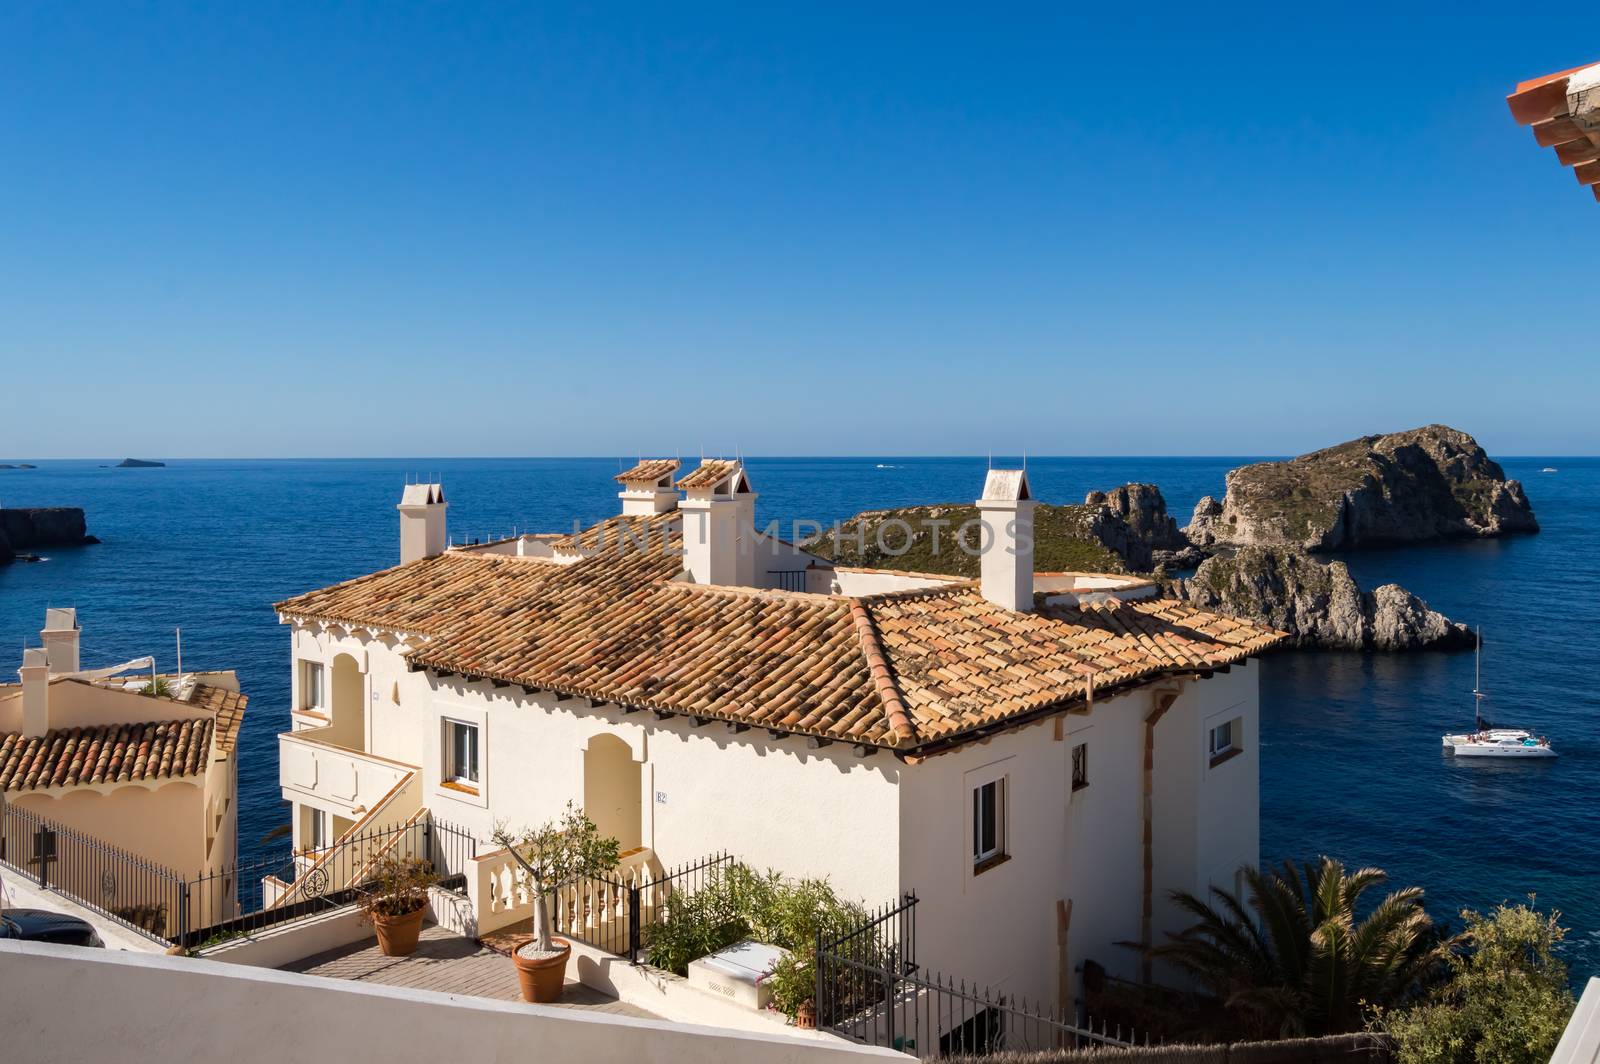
(459, 229)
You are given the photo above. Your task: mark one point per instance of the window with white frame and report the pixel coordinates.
(461, 753)
(1225, 739)
(988, 822)
(311, 689)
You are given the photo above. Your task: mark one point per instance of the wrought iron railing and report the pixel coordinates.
(869, 988)
(788, 579)
(138, 894)
(223, 903)
(612, 912)
(279, 889)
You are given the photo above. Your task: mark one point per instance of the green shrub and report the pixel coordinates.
(736, 903)
(1506, 1000)
(705, 920)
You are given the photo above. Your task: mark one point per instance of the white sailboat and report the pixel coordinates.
(1488, 740)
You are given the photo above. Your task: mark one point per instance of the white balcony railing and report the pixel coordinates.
(354, 781)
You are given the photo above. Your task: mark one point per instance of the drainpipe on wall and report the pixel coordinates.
(1162, 699)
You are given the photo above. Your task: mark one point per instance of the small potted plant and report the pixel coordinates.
(566, 848)
(395, 900)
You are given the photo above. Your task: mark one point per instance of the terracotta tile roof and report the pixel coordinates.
(769, 658)
(710, 473)
(961, 662)
(898, 669)
(648, 471)
(228, 707)
(426, 596)
(115, 753)
(1564, 111)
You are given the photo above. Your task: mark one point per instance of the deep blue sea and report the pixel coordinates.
(1351, 763)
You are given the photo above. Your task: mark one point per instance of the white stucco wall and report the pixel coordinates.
(876, 826)
(65, 1005)
(703, 790)
(163, 823)
(999, 927)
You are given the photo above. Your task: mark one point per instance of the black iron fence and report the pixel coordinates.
(788, 579)
(611, 912)
(870, 988)
(138, 894)
(227, 902)
(281, 888)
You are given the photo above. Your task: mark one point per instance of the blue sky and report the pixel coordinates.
(459, 229)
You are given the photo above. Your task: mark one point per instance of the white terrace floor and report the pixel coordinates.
(450, 964)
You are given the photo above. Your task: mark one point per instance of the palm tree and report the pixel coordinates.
(1297, 961)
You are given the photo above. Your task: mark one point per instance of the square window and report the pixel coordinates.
(988, 821)
(1080, 766)
(311, 692)
(461, 753)
(1223, 740)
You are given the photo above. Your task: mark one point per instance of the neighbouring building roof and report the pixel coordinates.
(227, 707)
(114, 753)
(899, 669)
(1564, 111)
(709, 473)
(649, 471)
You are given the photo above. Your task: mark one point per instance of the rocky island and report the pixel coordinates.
(139, 463)
(23, 530)
(1430, 483)
(1125, 530)
(1318, 603)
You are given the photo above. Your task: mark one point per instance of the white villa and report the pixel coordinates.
(154, 775)
(1040, 757)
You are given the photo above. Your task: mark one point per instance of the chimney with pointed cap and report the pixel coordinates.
(1006, 566)
(60, 637)
(422, 527)
(715, 521)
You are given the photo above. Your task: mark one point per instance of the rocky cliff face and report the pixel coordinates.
(1123, 530)
(923, 539)
(1152, 538)
(1318, 603)
(1404, 487)
(53, 526)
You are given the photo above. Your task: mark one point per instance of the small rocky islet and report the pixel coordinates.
(26, 530)
(1253, 552)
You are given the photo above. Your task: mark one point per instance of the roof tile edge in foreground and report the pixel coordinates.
(878, 666)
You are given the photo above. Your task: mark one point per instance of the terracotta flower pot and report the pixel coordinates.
(397, 935)
(542, 977)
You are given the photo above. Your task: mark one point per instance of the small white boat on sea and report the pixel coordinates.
(1488, 740)
(1549, 469)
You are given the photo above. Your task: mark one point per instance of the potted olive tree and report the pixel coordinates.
(394, 901)
(566, 848)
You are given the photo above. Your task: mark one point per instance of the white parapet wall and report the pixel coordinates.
(65, 1005)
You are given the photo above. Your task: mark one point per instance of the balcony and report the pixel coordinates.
(330, 776)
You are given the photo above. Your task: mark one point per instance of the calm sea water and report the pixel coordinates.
(1351, 762)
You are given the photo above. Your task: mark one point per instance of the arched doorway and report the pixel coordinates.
(611, 781)
(346, 713)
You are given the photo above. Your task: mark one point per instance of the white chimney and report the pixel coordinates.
(711, 513)
(1006, 511)
(647, 488)
(35, 677)
(422, 530)
(744, 498)
(60, 636)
